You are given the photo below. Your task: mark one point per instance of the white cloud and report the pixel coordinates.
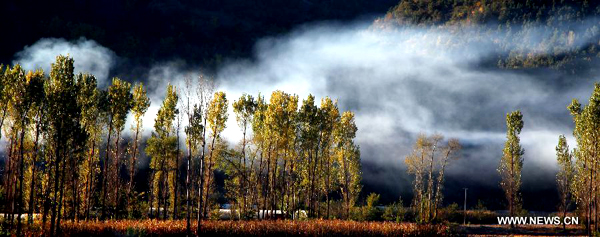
(89, 56)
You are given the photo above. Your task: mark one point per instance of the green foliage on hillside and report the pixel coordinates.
(526, 34)
(549, 12)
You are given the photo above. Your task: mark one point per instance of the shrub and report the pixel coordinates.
(394, 212)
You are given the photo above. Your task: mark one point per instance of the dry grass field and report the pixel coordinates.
(247, 228)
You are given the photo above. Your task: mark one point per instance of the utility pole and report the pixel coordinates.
(465, 208)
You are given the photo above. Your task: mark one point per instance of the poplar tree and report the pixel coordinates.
(260, 139)
(204, 92)
(140, 104)
(14, 88)
(330, 117)
(244, 109)
(38, 117)
(564, 178)
(511, 163)
(193, 133)
(348, 158)
(287, 157)
(61, 93)
(587, 135)
(448, 152)
(119, 104)
(280, 118)
(24, 90)
(3, 94)
(217, 117)
(427, 162)
(161, 147)
(309, 133)
(89, 100)
(175, 203)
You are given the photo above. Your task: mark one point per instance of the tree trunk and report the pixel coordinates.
(132, 169)
(151, 194)
(187, 186)
(21, 174)
(117, 178)
(440, 180)
(32, 191)
(209, 175)
(56, 179)
(61, 198)
(104, 173)
(90, 181)
(176, 178)
(243, 180)
(346, 184)
(200, 189)
(166, 192)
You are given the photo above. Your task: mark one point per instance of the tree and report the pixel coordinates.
(415, 163)
(193, 132)
(54, 127)
(205, 93)
(428, 157)
(119, 104)
(39, 120)
(512, 161)
(309, 123)
(15, 90)
(175, 177)
(370, 211)
(88, 99)
(162, 148)
(280, 118)
(330, 117)
(140, 105)
(64, 130)
(24, 91)
(587, 134)
(349, 160)
(448, 152)
(260, 140)
(217, 117)
(564, 178)
(244, 109)
(394, 212)
(4, 97)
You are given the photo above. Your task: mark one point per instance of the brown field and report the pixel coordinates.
(248, 228)
(298, 228)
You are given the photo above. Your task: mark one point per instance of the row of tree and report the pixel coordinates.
(431, 155)
(578, 174)
(67, 156)
(577, 177)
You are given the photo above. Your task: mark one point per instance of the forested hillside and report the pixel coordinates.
(559, 34)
